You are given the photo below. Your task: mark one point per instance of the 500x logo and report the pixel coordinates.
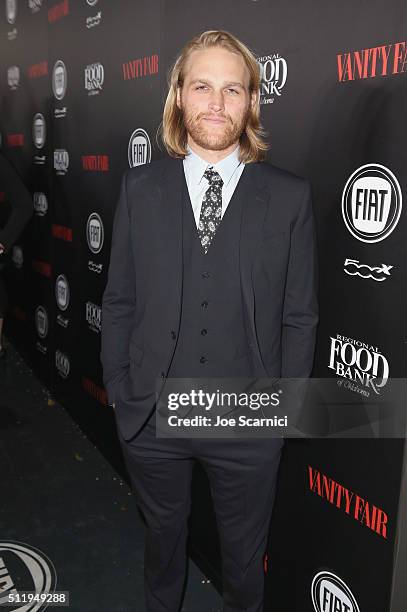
(377, 273)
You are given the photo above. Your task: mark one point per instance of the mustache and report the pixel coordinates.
(204, 116)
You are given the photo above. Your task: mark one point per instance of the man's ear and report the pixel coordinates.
(179, 96)
(253, 99)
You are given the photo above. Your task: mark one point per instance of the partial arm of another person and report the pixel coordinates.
(21, 204)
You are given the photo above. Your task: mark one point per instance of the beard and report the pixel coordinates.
(220, 137)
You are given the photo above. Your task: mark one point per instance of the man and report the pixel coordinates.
(212, 274)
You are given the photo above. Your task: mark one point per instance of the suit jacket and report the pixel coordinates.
(142, 300)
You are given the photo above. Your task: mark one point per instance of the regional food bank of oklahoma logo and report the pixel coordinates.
(371, 203)
(35, 571)
(330, 593)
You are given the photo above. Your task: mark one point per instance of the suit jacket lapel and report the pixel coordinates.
(170, 216)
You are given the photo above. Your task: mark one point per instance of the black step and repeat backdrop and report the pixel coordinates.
(82, 89)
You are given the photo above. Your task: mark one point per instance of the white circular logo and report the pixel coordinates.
(11, 11)
(59, 79)
(41, 321)
(92, 2)
(39, 130)
(40, 203)
(371, 203)
(62, 363)
(139, 149)
(329, 592)
(62, 292)
(95, 233)
(38, 572)
(61, 161)
(13, 76)
(17, 256)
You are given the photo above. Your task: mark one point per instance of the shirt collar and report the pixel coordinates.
(196, 166)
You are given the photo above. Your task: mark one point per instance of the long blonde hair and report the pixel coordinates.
(172, 129)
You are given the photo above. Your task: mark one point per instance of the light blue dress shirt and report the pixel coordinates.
(229, 168)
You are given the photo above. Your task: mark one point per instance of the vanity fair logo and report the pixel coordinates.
(355, 506)
(58, 11)
(385, 60)
(38, 70)
(329, 593)
(140, 67)
(371, 203)
(273, 77)
(95, 163)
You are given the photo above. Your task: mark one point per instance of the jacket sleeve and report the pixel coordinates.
(21, 203)
(119, 298)
(300, 311)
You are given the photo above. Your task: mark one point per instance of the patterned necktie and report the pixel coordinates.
(211, 209)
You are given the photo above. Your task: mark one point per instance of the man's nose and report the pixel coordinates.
(216, 101)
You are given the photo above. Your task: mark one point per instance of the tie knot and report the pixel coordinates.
(213, 177)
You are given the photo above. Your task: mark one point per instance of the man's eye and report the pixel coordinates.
(234, 91)
(201, 87)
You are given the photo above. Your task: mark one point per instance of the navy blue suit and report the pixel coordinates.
(246, 309)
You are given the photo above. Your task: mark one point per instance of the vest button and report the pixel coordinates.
(204, 331)
(203, 359)
(173, 334)
(162, 374)
(205, 275)
(204, 304)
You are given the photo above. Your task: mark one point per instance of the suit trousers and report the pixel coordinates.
(242, 474)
